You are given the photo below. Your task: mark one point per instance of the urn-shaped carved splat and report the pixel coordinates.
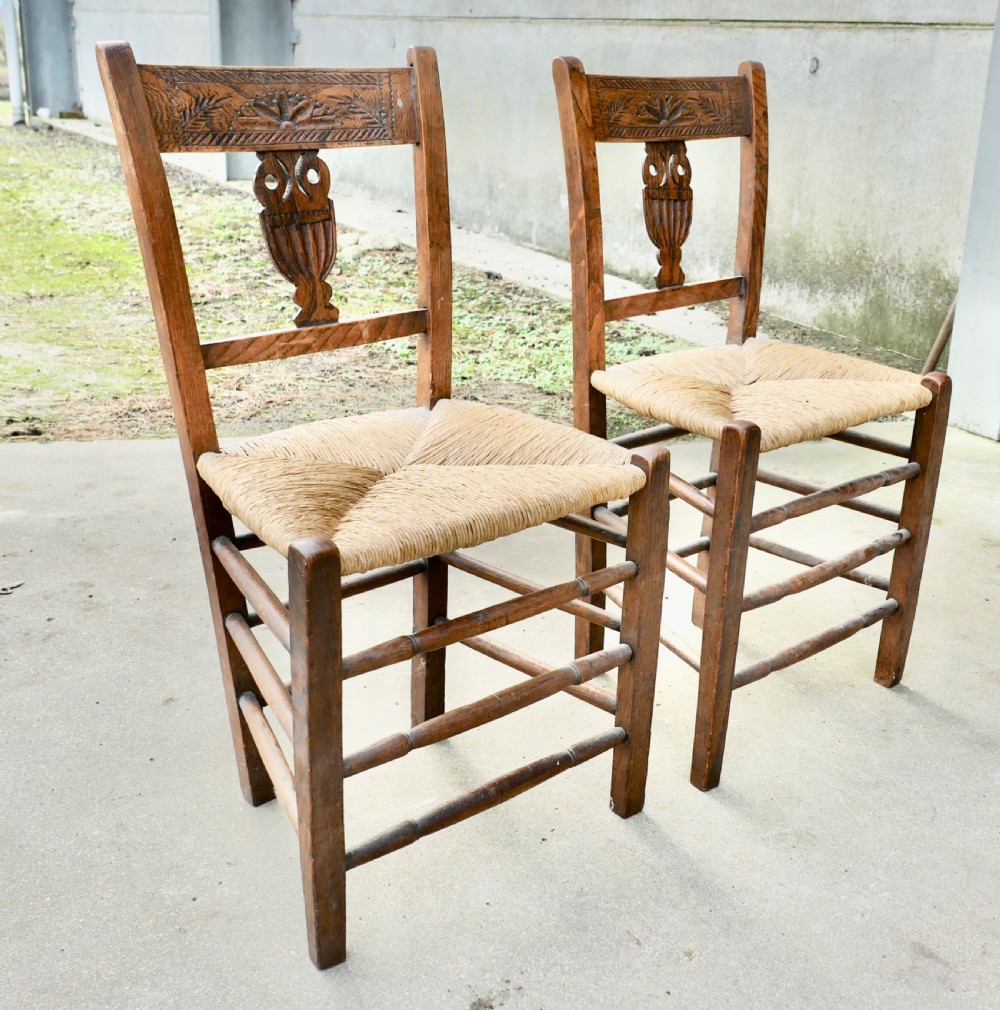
(297, 220)
(666, 201)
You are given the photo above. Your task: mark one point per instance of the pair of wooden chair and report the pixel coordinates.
(357, 503)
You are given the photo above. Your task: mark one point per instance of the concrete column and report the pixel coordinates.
(50, 56)
(254, 33)
(13, 47)
(974, 362)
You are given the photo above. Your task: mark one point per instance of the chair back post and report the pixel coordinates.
(586, 241)
(433, 216)
(744, 310)
(162, 256)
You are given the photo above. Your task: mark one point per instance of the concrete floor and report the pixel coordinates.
(849, 859)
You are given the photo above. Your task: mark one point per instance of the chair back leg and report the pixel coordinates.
(739, 449)
(591, 556)
(427, 676)
(702, 561)
(915, 515)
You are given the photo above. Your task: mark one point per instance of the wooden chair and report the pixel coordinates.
(748, 397)
(360, 502)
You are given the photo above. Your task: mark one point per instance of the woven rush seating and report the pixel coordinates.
(354, 504)
(748, 397)
(396, 486)
(791, 393)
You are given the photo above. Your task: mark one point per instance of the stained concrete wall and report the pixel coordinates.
(975, 354)
(875, 112)
(160, 31)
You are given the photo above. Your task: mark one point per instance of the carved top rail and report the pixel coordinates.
(241, 109)
(681, 108)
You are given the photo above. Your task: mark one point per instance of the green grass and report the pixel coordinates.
(78, 348)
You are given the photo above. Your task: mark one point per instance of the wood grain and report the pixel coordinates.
(277, 108)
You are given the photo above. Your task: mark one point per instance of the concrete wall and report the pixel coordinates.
(875, 111)
(872, 152)
(975, 352)
(160, 31)
(47, 27)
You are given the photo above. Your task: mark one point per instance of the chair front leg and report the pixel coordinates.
(427, 671)
(739, 450)
(642, 603)
(916, 514)
(314, 611)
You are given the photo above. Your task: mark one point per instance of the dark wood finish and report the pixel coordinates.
(642, 601)
(261, 596)
(326, 337)
(805, 487)
(824, 571)
(287, 116)
(745, 309)
(916, 514)
(427, 669)
(647, 302)
(941, 340)
(299, 227)
(647, 436)
(486, 710)
(523, 663)
(667, 115)
(272, 756)
(667, 203)
(277, 108)
(702, 561)
(814, 644)
(397, 650)
(833, 495)
(587, 527)
(873, 442)
(727, 559)
(166, 278)
(269, 684)
(662, 109)
(490, 573)
(433, 218)
(355, 585)
(803, 558)
(680, 488)
(491, 794)
(317, 706)
(588, 633)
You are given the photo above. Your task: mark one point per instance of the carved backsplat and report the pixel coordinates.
(666, 202)
(647, 109)
(297, 220)
(243, 109)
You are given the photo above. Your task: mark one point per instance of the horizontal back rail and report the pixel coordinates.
(672, 298)
(310, 339)
(278, 108)
(660, 109)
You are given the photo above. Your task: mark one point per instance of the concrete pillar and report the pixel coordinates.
(12, 43)
(50, 56)
(254, 33)
(974, 362)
